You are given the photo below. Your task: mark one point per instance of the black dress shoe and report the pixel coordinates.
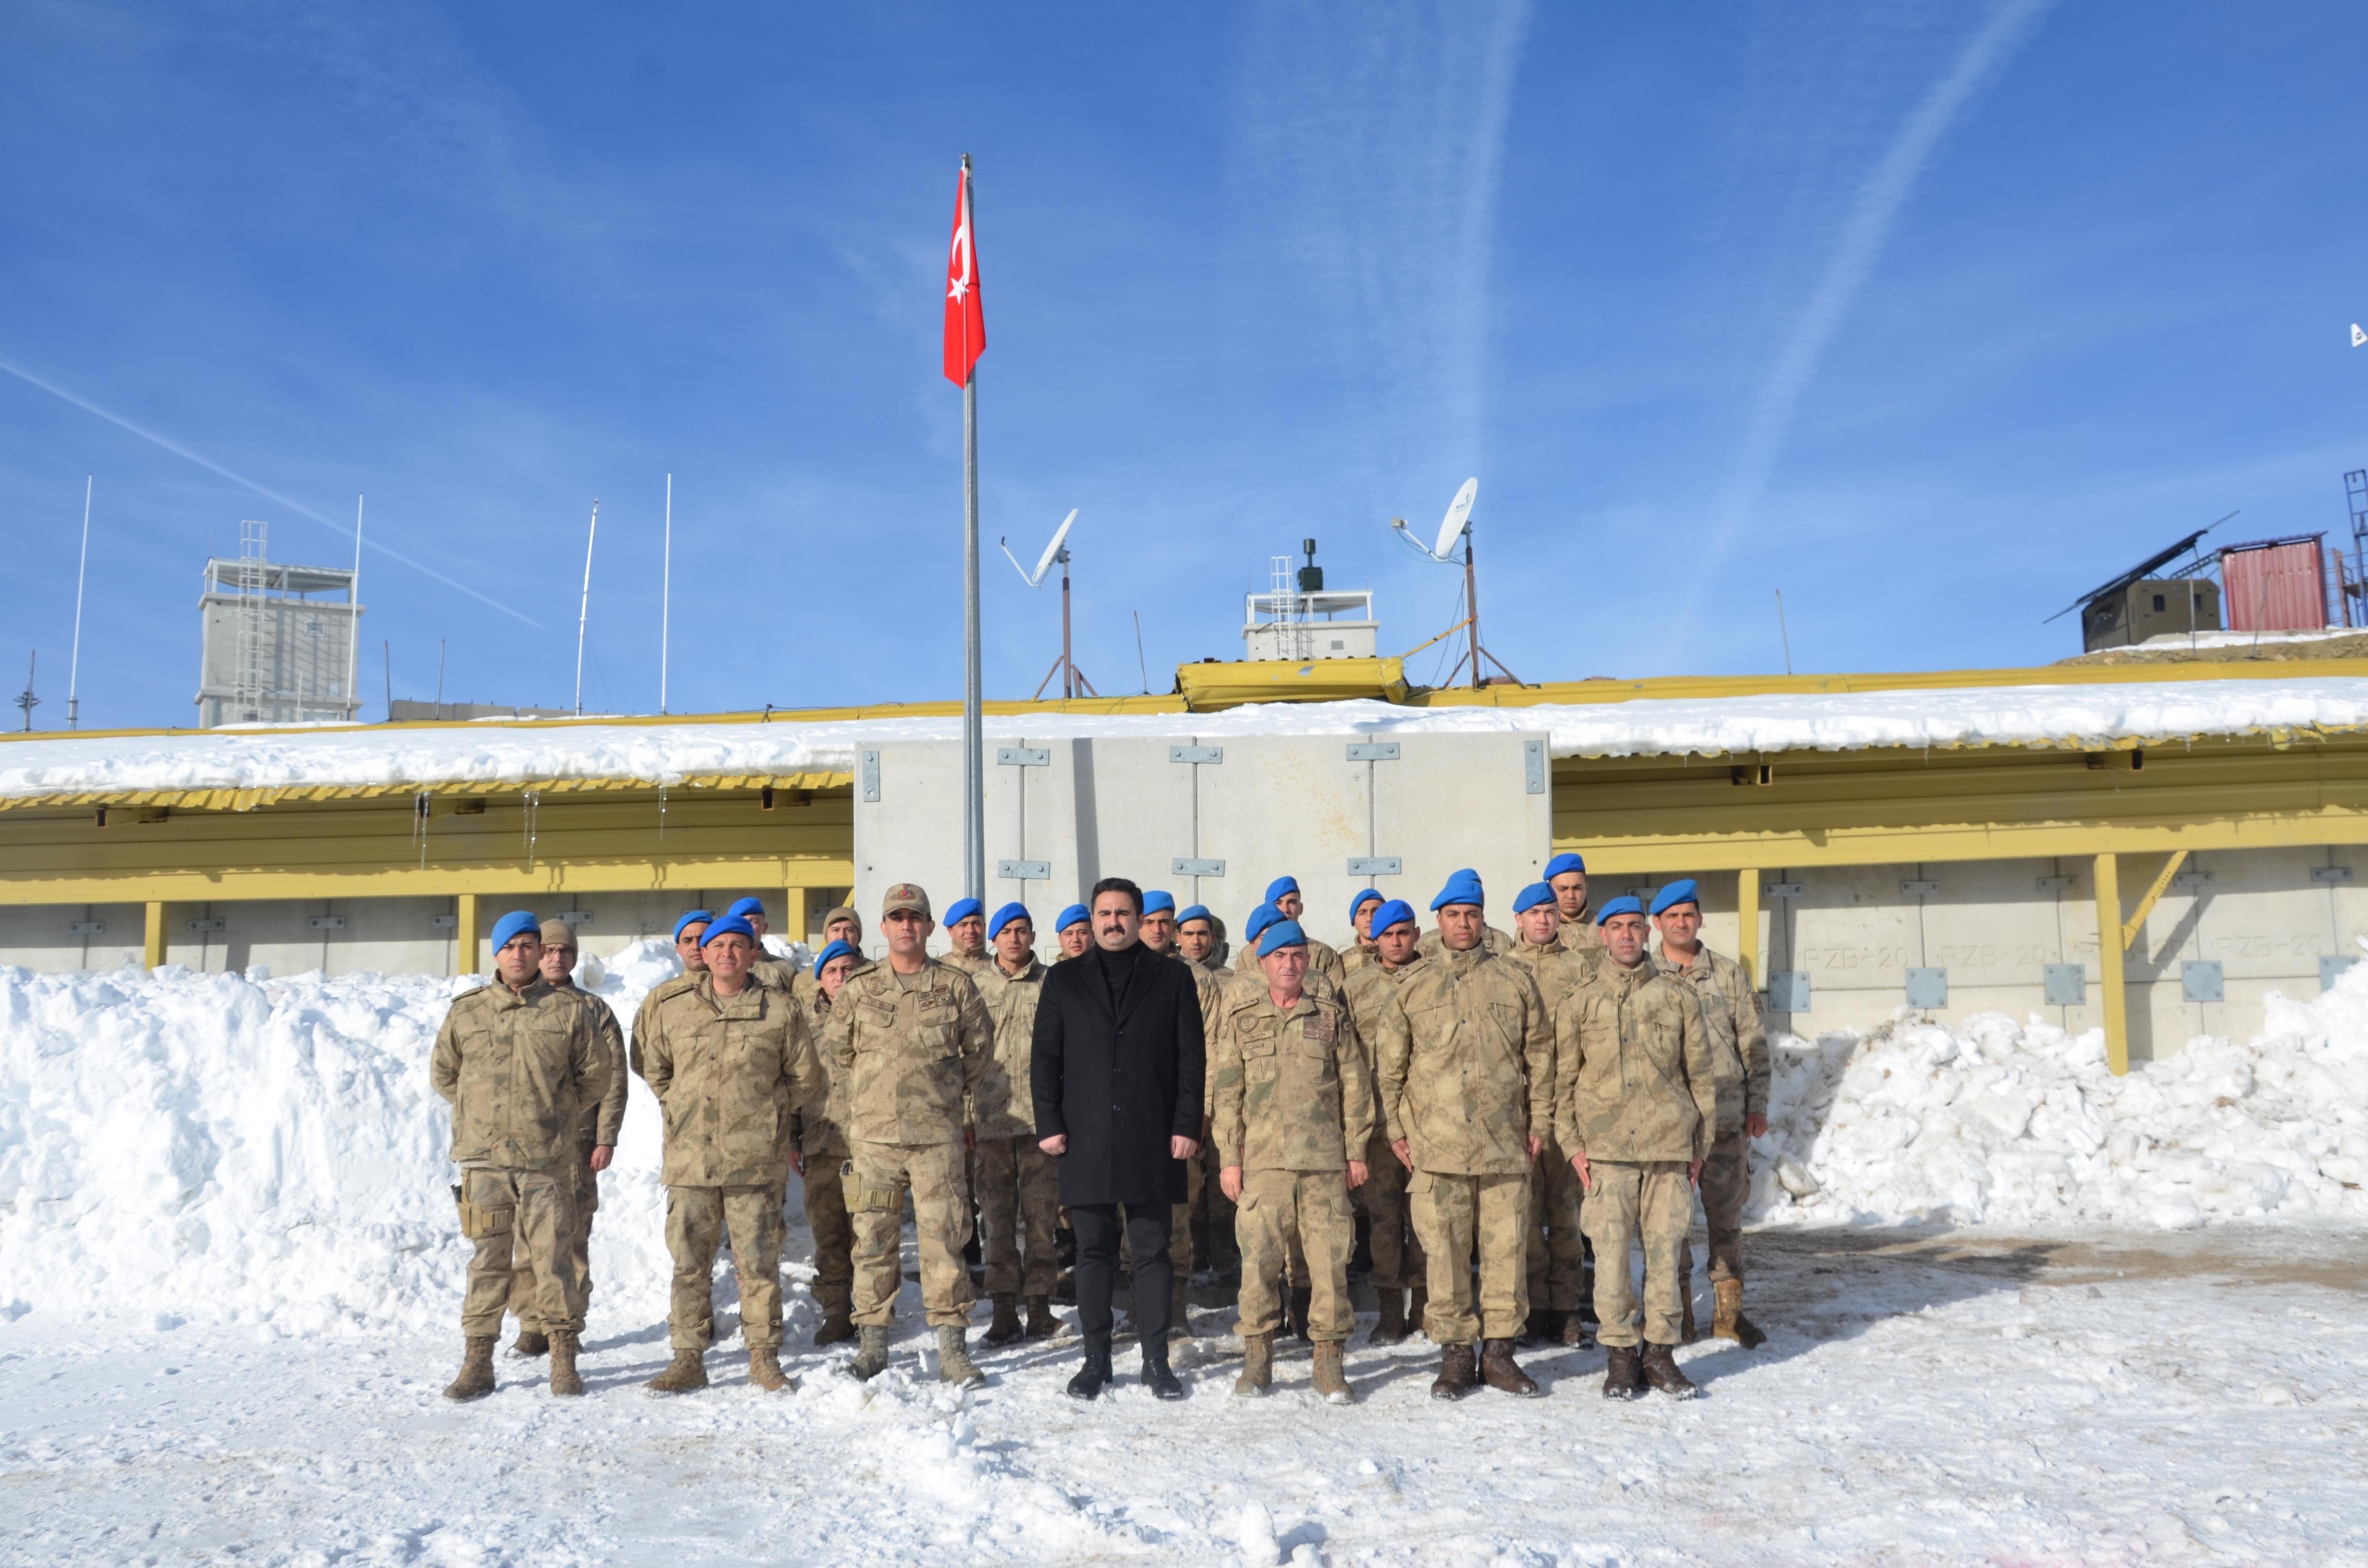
(1161, 1382)
(1091, 1378)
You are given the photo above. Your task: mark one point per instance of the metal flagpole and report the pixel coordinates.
(666, 594)
(354, 620)
(974, 736)
(73, 670)
(585, 608)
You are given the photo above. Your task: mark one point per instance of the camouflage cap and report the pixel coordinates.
(559, 934)
(844, 911)
(903, 896)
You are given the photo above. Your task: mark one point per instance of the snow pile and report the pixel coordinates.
(1991, 1122)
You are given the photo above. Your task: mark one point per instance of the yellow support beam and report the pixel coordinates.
(464, 936)
(1747, 916)
(152, 938)
(2137, 922)
(2110, 953)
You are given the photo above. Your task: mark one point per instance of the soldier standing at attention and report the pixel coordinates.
(1282, 897)
(966, 930)
(1159, 922)
(1295, 1114)
(768, 970)
(1738, 1044)
(596, 1142)
(822, 1161)
(1398, 1261)
(731, 1062)
(1467, 1059)
(1557, 1249)
(839, 925)
(912, 1043)
(689, 927)
(1200, 939)
(1566, 874)
(1158, 934)
(1019, 1186)
(1491, 940)
(1361, 915)
(1638, 1097)
(518, 1062)
(1072, 931)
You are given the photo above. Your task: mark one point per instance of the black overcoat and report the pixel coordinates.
(1119, 1086)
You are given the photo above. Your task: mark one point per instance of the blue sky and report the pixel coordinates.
(1930, 315)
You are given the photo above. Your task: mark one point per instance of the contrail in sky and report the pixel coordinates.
(239, 479)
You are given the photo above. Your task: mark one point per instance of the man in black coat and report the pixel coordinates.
(1117, 1075)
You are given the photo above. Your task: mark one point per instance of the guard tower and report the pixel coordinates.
(276, 641)
(1303, 622)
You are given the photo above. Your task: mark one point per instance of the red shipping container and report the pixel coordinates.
(2275, 586)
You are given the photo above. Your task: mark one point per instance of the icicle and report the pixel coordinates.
(532, 801)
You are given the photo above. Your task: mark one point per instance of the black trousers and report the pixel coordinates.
(1096, 1225)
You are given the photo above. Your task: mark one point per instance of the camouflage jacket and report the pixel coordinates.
(1294, 1091)
(1738, 1037)
(1637, 1079)
(601, 1120)
(1004, 1105)
(1322, 958)
(1558, 970)
(648, 1011)
(1499, 943)
(730, 1074)
(972, 964)
(1583, 937)
(909, 1055)
(518, 1068)
(778, 973)
(821, 1128)
(1368, 993)
(1466, 1060)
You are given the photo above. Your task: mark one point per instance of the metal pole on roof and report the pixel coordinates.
(666, 594)
(585, 609)
(74, 669)
(354, 622)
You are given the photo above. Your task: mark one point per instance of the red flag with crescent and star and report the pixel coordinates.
(965, 319)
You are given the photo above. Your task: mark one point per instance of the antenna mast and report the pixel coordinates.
(585, 609)
(354, 618)
(666, 596)
(26, 701)
(73, 669)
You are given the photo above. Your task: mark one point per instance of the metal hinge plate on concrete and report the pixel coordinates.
(1196, 754)
(1780, 890)
(576, 917)
(327, 922)
(2058, 884)
(1928, 987)
(437, 921)
(2192, 879)
(1185, 865)
(2066, 985)
(2333, 876)
(1373, 751)
(86, 928)
(1024, 870)
(218, 923)
(1024, 757)
(1533, 765)
(1922, 887)
(2199, 980)
(1788, 991)
(1376, 866)
(867, 771)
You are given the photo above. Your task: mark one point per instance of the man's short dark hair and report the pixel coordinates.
(1116, 884)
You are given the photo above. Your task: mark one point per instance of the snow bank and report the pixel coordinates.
(514, 754)
(178, 1146)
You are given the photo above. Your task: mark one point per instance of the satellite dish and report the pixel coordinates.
(2358, 336)
(1458, 518)
(1043, 561)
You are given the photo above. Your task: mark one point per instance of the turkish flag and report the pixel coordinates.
(965, 320)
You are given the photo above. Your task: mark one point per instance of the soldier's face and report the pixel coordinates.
(834, 976)
(1015, 942)
(558, 962)
(1570, 894)
(1537, 922)
(1159, 930)
(1286, 968)
(1289, 906)
(728, 956)
(846, 931)
(520, 960)
(1460, 925)
(1680, 924)
(1396, 945)
(1195, 938)
(686, 948)
(1364, 919)
(1116, 922)
(906, 931)
(1076, 938)
(757, 923)
(1623, 938)
(969, 934)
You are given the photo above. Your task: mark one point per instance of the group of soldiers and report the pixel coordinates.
(1497, 1105)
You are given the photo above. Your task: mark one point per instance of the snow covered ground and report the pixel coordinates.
(2020, 1310)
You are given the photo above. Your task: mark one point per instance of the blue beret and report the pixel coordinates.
(1196, 911)
(1370, 895)
(744, 907)
(1282, 934)
(730, 926)
(1155, 901)
(691, 917)
(1530, 897)
(1005, 917)
(1280, 886)
(839, 949)
(1264, 916)
(1566, 861)
(1618, 906)
(1076, 914)
(963, 909)
(1682, 890)
(1391, 914)
(1463, 887)
(512, 923)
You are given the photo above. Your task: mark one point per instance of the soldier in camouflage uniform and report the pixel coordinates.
(1638, 1097)
(1466, 1059)
(913, 1043)
(1282, 897)
(1199, 941)
(1158, 932)
(778, 973)
(732, 1063)
(518, 1062)
(1295, 1102)
(821, 1163)
(1557, 1249)
(1566, 874)
(966, 938)
(596, 1142)
(1247, 983)
(689, 927)
(1018, 1183)
(839, 925)
(1072, 931)
(1398, 1261)
(1360, 918)
(1739, 1050)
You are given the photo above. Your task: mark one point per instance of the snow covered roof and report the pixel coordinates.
(246, 768)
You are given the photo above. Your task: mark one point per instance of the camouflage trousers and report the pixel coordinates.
(1627, 1203)
(1398, 1261)
(530, 1215)
(697, 1219)
(1301, 1215)
(1557, 1249)
(1019, 1200)
(833, 1236)
(1454, 1214)
(1726, 1183)
(526, 1285)
(933, 1173)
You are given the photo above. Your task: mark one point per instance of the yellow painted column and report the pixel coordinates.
(2109, 964)
(792, 927)
(1746, 914)
(151, 940)
(464, 946)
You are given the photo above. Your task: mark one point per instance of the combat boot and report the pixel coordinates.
(686, 1371)
(1418, 1311)
(476, 1379)
(1331, 1377)
(1533, 1329)
(531, 1342)
(563, 1380)
(1391, 1328)
(765, 1369)
(872, 1354)
(836, 1328)
(1179, 1313)
(1555, 1325)
(1660, 1368)
(1005, 1326)
(1457, 1373)
(1258, 1366)
(954, 1365)
(1686, 1333)
(1091, 1376)
(1498, 1370)
(1573, 1330)
(1730, 1323)
(1041, 1323)
(1301, 1296)
(1623, 1378)
(1158, 1376)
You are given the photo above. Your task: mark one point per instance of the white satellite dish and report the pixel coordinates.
(1043, 563)
(1457, 524)
(1451, 528)
(2358, 336)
